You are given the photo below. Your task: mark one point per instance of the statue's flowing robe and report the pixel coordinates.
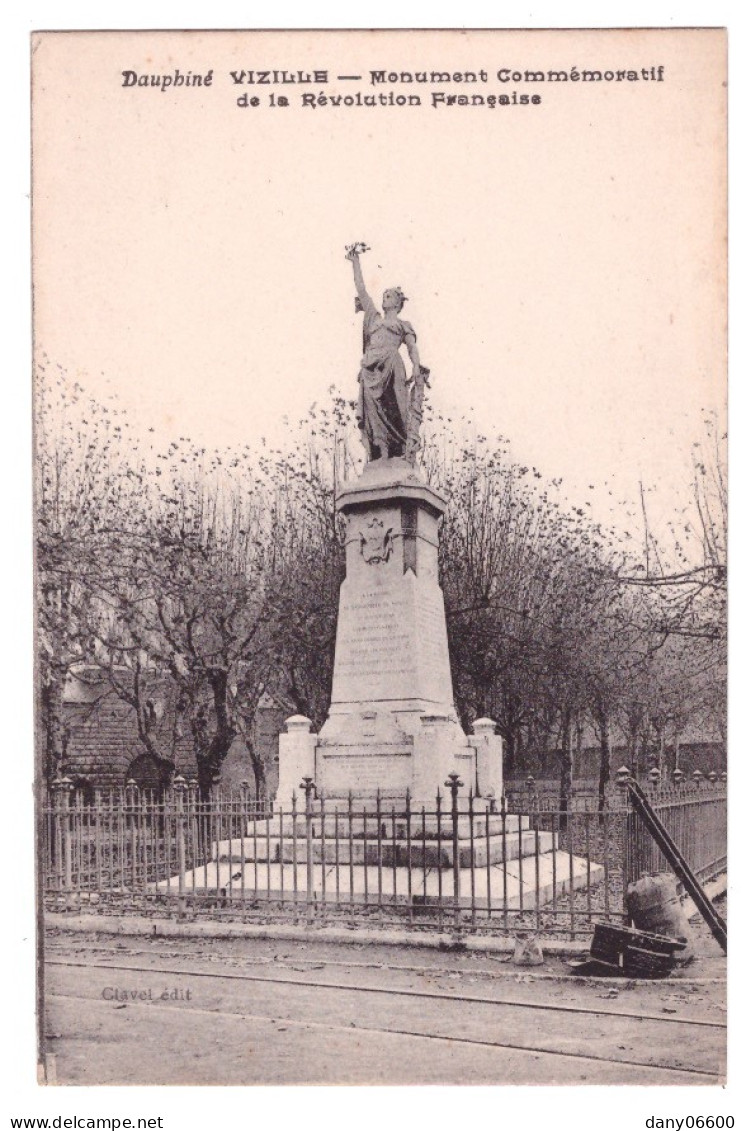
(382, 395)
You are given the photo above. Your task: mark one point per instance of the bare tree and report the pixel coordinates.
(87, 471)
(217, 577)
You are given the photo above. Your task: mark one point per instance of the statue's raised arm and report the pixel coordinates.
(388, 415)
(353, 253)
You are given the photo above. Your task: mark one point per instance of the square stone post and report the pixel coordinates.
(297, 760)
(439, 750)
(489, 748)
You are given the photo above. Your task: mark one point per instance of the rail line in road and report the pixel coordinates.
(243, 1015)
(388, 991)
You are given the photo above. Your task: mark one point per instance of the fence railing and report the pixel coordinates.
(463, 863)
(694, 814)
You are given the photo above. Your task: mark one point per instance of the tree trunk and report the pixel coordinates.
(662, 756)
(52, 727)
(509, 758)
(565, 764)
(165, 767)
(644, 750)
(260, 771)
(544, 745)
(604, 771)
(520, 752)
(211, 753)
(137, 697)
(632, 751)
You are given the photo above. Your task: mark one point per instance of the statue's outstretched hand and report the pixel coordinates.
(354, 250)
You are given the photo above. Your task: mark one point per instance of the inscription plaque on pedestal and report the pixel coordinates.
(387, 770)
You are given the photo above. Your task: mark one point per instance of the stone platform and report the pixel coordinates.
(376, 858)
(427, 850)
(519, 884)
(391, 822)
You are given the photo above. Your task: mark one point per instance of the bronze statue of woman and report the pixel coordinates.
(387, 414)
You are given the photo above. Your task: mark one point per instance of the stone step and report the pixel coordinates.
(476, 852)
(395, 802)
(392, 826)
(510, 885)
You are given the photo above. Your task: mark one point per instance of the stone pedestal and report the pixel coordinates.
(489, 748)
(392, 725)
(297, 760)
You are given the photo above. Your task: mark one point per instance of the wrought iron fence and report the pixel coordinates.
(463, 864)
(695, 816)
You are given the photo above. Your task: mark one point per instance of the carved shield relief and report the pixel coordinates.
(376, 542)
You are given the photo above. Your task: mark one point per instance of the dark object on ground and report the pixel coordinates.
(639, 962)
(593, 968)
(610, 942)
(654, 905)
(623, 951)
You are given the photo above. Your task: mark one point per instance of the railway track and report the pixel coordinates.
(413, 1033)
(388, 991)
(646, 1022)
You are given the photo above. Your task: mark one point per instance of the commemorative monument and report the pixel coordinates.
(392, 749)
(392, 726)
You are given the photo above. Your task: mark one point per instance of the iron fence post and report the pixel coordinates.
(66, 789)
(61, 790)
(193, 807)
(623, 778)
(55, 833)
(322, 833)
(308, 787)
(408, 826)
(294, 819)
(245, 795)
(454, 783)
(379, 848)
(216, 823)
(504, 856)
(179, 787)
(351, 851)
(130, 793)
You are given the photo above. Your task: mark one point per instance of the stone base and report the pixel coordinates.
(365, 821)
(379, 751)
(373, 752)
(515, 885)
(424, 849)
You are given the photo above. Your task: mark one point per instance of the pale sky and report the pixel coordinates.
(565, 263)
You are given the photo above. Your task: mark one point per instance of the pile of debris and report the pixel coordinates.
(625, 952)
(650, 949)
